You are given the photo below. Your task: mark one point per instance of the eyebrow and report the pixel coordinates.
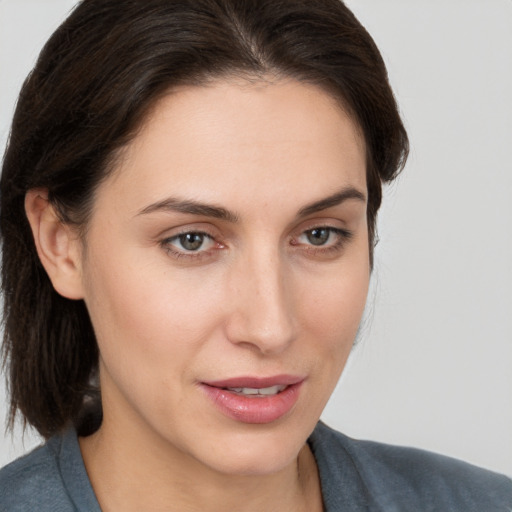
(331, 201)
(172, 204)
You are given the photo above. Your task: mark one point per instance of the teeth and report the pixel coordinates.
(272, 390)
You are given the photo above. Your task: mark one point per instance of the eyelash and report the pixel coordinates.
(195, 255)
(343, 236)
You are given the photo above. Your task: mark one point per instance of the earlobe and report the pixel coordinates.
(57, 244)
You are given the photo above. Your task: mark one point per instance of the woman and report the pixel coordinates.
(189, 200)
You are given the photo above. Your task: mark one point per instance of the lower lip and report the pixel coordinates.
(260, 409)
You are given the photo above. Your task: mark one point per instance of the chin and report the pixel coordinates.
(253, 449)
(256, 461)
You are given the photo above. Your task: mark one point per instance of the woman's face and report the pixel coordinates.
(226, 269)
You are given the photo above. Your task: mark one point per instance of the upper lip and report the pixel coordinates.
(256, 382)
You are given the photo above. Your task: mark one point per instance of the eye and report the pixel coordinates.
(324, 237)
(189, 242)
(318, 236)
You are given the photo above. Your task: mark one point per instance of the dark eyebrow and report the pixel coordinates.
(334, 200)
(172, 204)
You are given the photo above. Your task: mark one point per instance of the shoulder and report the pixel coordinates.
(397, 478)
(34, 481)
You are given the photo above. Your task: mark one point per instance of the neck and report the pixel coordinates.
(129, 472)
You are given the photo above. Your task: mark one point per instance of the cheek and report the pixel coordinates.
(331, 313)
(334, 303)
(151, 326)
(151, 319)
(143, 314)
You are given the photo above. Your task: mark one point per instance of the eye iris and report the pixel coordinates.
(191, 241)
(318, 236)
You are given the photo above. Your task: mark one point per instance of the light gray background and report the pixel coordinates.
(433, 367)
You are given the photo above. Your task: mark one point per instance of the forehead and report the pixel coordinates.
(257, 142)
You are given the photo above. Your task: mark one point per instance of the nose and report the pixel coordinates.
(262, 314)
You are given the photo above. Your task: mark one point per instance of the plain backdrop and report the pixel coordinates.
(432, 367)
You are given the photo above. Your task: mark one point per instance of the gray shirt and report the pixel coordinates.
(355, 476)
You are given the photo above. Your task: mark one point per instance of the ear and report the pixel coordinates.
(57, 244)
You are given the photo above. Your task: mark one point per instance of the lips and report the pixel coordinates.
(258, 392)
(254, 399)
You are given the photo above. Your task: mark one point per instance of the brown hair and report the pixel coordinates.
(90, 90)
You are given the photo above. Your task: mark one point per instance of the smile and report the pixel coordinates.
(254, 400)
(257, 392)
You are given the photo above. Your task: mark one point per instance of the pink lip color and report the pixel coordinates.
(257, 409)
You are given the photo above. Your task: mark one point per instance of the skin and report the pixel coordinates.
(258, 298)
